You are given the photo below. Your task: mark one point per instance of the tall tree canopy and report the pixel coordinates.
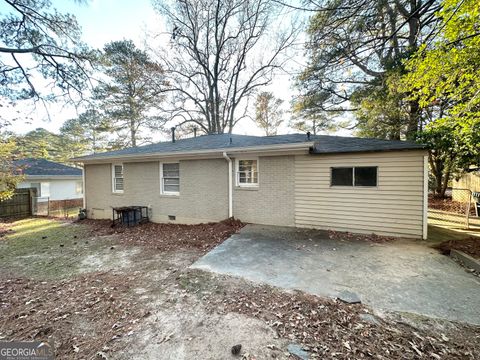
(268, 114)
(41, 55)
(8, 175)
(444, 77)
(353, 45)
(221, 52)
(448, 72)
(88, 133)
(41, 144)
(42, 59)
(131, 97)
(382, 109)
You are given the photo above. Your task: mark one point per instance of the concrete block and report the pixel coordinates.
(466, 259)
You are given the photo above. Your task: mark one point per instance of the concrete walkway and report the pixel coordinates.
(397, 276)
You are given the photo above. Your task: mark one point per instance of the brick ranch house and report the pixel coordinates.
(324, 182)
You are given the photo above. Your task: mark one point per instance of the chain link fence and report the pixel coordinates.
(457, 211)
(44, 206)
(40, 206)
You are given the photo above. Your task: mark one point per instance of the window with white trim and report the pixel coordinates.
(170, 178)
(247, 172)
(117, 178)
(362, 176)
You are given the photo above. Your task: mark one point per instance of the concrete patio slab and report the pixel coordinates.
(403, 275)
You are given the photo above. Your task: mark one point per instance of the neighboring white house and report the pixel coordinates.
(53, 181)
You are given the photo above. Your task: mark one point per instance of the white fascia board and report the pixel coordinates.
(53, 177)
(202, 154)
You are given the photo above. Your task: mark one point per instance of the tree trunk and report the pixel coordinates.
(133, 135)
(414, 28)
(413, 119)
(438, 183)
(436, 166)
(446, 179)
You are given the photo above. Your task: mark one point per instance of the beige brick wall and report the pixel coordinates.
(273, 202)
(203, 191)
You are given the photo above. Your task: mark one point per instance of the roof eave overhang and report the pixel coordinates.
(52, 177)
(366, 151)
(300, 148)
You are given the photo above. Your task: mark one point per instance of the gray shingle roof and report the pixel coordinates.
(42, 167)
(323, 144)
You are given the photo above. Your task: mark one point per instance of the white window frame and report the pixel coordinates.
(237, 172)
(114, 190)
(162, 190)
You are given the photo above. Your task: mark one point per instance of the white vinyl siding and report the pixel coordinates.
(55, 189)
(393, 207)
(170, 178)
(79, 187)
(45, 192)
(43, 188)
(117, 178)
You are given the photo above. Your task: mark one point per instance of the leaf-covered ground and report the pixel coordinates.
(82, 315)
(331, 329)
(448, 205)
(168, 237)
(97, 291)
(469, 245)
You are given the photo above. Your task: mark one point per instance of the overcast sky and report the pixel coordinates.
(103, 21)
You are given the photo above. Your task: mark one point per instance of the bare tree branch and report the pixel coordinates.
(38, 42)
(221, 53)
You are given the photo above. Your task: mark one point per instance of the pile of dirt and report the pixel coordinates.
(5, 228)
(340, 235)
(83, 316)
(335, 330)
(167, 237)
(470, 246)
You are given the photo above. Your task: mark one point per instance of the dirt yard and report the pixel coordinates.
(129, 294)
(469, 245)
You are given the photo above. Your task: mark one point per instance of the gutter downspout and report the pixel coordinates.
(230, 188)
(84, 200)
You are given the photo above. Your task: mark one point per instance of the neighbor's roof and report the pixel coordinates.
(42, 167)
(321, 144)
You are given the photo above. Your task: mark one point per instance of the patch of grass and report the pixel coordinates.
(197, 281)
(44, 248)
(190, 283)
